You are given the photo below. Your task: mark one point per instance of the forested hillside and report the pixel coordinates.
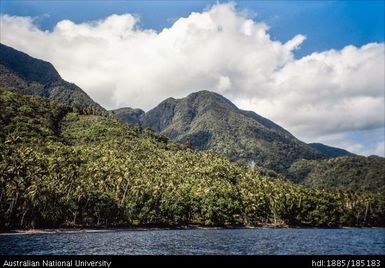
(205, 120)
(329, 150)
(61, 168)
(354, 173)
(208, 120)
(128, 115)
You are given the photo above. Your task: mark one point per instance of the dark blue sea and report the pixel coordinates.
(292, 241)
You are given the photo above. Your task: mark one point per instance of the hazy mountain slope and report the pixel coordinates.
(355, 173)
(211, 121)
(128, 115)
(329, 150)
(27, 75)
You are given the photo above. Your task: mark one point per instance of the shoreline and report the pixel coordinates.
(68, 230)
(76, 230)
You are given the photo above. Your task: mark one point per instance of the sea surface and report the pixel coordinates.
(266, 241)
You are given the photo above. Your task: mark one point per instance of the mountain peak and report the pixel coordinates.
(204, 93)
(207, 100)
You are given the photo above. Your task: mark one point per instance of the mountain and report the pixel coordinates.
(210, 121)
(59, 168)
(63, 165)
(128, 115)
(329, 150)
(353, 172)
(27, 75)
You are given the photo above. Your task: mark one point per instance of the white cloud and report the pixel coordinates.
(219, 49)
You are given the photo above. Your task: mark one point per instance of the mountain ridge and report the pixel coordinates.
(28, 75)
(135, 116)
(330, 150)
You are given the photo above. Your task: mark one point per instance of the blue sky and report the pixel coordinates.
(326, 24)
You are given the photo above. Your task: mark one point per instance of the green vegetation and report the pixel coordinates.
(208, 121)
(128, 115)
(329, 150)
(61, 168)
(211, 121)
(355, 173)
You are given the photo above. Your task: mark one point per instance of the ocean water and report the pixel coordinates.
(291, 241)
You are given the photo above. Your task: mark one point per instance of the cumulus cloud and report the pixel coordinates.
(219, 49)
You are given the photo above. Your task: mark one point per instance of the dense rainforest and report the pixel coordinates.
(354, 173)
(60, 167)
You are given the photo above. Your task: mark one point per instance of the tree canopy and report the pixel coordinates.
(59, 167)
